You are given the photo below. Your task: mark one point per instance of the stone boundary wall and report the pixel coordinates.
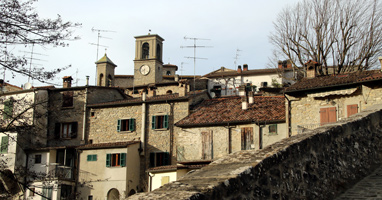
(319, 164)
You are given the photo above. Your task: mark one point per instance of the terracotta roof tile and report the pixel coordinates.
(337, 80)
(243, 73)
(226, 110)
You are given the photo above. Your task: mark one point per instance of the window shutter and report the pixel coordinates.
(166, 158)
(165, 121)
(57, 130)
(8, 109)
(94, 157)
(152, 159)
(4, 144)
(153, 122)
(73, 134)
(108, 160)
(123, 159)
(89, 158)
(131, 124)
(119, 125)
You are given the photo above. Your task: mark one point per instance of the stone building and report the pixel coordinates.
(318, 100)
(221, 126)
(224, 81)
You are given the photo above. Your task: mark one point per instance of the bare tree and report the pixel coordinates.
(343, 34)
(21, 25)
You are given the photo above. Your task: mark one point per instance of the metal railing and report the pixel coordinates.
(61, 172)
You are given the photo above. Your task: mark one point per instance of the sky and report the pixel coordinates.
(222, 27)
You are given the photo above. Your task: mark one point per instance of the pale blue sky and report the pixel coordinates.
(230, 25)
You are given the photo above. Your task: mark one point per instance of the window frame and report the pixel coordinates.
(8, 109)
(72, 130)
(271, 132)
(4, 144)
(159, 159)
(124, 125)
(160, 122)
(67, 99)
(37, 159)
(116, 160)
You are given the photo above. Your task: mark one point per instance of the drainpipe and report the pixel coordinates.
(288, 116)
(143, 123)
(85, 105)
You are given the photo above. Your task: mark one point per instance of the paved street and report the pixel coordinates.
(368, 188)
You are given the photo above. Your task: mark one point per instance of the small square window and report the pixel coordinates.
(273, 129)
(159, 122)
(37, 159)
(126, 125)
(92, 114)
(92, 157)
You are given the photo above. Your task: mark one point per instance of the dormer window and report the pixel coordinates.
(145, 50)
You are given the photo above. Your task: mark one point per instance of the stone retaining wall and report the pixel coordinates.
(319, 164)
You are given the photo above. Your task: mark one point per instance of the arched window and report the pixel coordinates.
(169, 92)
(100, 79)
(113, 194)
(159, 52)
(145, 50)
(109, 79)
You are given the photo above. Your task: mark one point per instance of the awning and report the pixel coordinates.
(334, 92)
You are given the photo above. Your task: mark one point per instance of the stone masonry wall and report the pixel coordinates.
(319, 164)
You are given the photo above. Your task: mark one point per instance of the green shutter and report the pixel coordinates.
(119, 125)
(108, 160)
(8, 109)
(166, 158)
(165, 121)
(123, 159)
(153, 122)
(89, 158)
(4, 144)
(94, 157)
(131, 124)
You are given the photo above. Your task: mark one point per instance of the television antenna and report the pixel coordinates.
(194, 57)
(31, 59)
(181, 68)
(236, 58)
(98, 45)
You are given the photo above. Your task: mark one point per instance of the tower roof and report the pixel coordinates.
(105, 59)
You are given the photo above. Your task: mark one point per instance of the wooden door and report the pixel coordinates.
(328, 115)
(207, 145)
(246, 138)
(352, 109)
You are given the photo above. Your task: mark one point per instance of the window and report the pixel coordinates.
(37, 159)
(47, 192)
(159, 122)
(4, 144)
(145, 50)
(92, 114)
(159, 159)
(168, 73)
(66, 130)
(92, 157)
(272, 129)
(67, 99)
(159, 56)
(8, 109)
(116, 159)
(328, 115)
(66, 192)
(352, 109)
(207, 145)
(90, 197)
(31, 192)
(126, 125)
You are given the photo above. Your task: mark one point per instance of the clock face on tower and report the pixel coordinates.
(145, 69)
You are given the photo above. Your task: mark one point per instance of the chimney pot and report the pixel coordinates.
(87, 80)
(239, 69)
(67, 81)
(250, 97)
(244, 103)
(245, 67)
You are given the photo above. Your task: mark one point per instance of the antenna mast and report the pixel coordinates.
(32, 58)
(236, 58)
(194, 57)
(98, 45)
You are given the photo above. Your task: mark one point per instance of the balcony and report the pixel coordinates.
(61, 172)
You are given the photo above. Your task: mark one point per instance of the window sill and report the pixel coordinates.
(125, 132)
(160, 129)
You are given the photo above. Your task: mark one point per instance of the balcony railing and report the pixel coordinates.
(61, 172)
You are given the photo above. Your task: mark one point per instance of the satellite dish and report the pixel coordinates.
(27, 86)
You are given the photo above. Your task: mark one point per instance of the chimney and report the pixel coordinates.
(242, 90)
(244, 103)
(288, 64)
(143, 95)
(311, 69)
(67, 81)
(380, 60)
(250, 97)
(176, 77)
(87, 80)
(182, 89)
(239, 69)
(280, 64)
(245, 67)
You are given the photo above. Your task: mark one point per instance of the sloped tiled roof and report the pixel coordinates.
(105, 59)
(336, 80)
(108, 145)
(221, 111)
(243, 73)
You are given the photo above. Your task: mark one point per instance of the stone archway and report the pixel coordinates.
(113, 194)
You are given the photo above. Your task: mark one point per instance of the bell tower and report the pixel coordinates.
(105, 72)
(148, 64)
